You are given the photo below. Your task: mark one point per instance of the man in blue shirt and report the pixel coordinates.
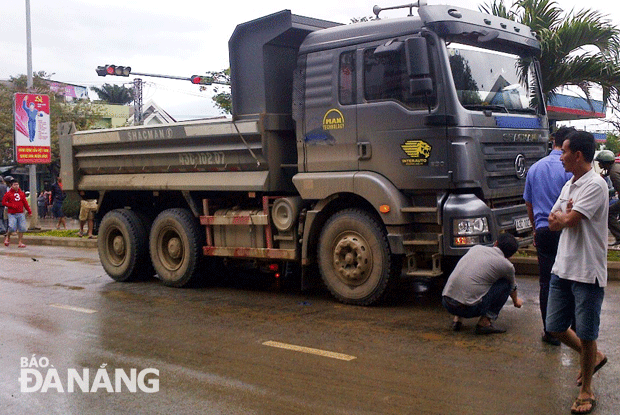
(543, 185)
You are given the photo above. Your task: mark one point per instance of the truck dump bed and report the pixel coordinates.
(257, 154)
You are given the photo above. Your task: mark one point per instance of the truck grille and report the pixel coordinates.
(500, 160)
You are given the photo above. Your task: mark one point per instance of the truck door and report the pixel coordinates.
(398, 136)
(330, 136)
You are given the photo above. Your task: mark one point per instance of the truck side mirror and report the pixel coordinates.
(418, 66)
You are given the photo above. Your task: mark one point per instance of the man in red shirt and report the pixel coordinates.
(15, 200)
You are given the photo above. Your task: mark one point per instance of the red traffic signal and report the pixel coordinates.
(200, 80)
(113, 70)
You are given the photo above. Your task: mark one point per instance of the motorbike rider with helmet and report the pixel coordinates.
(611, 172)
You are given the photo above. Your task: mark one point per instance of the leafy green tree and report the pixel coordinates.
(563, 37)
(221, 88)
(80, 112)
(613, 143)
(114, 94)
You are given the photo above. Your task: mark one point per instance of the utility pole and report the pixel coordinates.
(32, 168)
(137, 101)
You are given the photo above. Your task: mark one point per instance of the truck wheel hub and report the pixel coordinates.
(118, 245)
(352, 260)
(175, 248)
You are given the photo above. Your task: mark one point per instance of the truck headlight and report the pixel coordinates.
(471, 226)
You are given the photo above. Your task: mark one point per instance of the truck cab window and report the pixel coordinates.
(386, 78)
(487, 80)
(346, 81)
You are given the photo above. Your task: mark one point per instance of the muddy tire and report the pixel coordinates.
(175, 245)
(122, 245)
(354, 258)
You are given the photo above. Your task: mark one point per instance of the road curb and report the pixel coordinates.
(59, 241)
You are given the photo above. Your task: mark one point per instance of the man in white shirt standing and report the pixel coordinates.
(579, 273)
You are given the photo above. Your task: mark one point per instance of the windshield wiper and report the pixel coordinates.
(524, 110)
(478, 107)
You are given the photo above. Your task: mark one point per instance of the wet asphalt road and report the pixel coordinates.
(213, 348)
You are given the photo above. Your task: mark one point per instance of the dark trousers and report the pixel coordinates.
(546, 247)
(612, 222)
(490, 306)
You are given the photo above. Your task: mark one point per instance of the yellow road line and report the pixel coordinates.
(309, 350)
(71, 308)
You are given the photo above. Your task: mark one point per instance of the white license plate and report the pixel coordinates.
(522, 224)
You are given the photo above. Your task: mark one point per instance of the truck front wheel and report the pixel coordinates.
(175, 245)
(122, 245)
(354, 258)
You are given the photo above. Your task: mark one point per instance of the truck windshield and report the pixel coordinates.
(493, 81)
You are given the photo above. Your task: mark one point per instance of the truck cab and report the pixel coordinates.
(438, 117)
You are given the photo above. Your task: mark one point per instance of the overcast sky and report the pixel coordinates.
(70, 38)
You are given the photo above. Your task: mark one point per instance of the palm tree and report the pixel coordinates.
(567, 41)
(114, 94)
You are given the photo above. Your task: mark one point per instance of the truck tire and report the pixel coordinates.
(122, 245)
(354, 258)
(175, 246)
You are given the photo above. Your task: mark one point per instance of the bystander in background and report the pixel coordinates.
(3, 189)
(15, 201)
(58, 197)
(88, 208)
(607, 162)
(543, 185)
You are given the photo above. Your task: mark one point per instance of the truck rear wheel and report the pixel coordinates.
(175, 245)
(122, 245)
(354, 258)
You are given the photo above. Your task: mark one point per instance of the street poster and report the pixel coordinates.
(32, 128)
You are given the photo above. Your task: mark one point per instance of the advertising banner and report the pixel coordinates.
(32, 128)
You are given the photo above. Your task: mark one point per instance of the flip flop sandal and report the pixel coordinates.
(579, 402)
(6, 242)
(596, 369)
(21, 246)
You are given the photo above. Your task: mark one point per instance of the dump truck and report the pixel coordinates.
(371, 152)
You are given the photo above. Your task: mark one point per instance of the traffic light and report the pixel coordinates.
(101, 71)
(113, 70)
(201, 80)
(122, 70)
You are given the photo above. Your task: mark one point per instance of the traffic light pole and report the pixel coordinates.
(126, 71)
(114, 70)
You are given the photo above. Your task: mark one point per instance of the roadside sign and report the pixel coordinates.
(32, 128)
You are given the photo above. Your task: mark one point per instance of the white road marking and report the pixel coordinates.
(71, 308)
(309, 350)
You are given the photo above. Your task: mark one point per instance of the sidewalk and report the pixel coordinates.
(49, 224)
(32, 238)
(528, 265)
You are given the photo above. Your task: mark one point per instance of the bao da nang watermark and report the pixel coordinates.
(38, 375)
